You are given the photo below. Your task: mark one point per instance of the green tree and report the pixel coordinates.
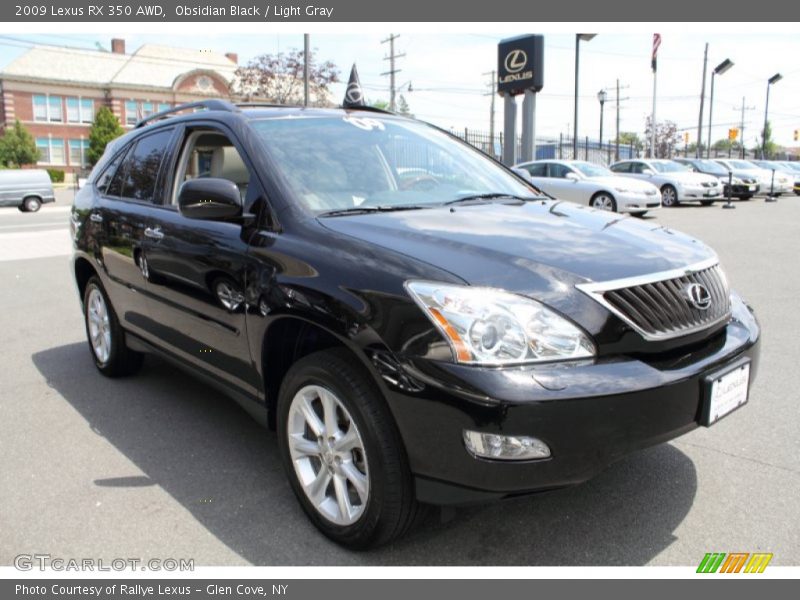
(17, 147)
(105, 128)
(629, 138)
(769, 146)
(402, 106)
(382, 104)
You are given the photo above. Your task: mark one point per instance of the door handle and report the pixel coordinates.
(96, 218)
(154, 233)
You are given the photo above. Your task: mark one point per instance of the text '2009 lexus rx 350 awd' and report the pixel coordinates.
(417, 323)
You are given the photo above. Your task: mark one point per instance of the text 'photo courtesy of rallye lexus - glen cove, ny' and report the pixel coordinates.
(417, 323)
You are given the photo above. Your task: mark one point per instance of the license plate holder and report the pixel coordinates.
(725, 390)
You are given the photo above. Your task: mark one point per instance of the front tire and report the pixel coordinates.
(603, 201)
(342, 452)
(111, 355)
(669, 196)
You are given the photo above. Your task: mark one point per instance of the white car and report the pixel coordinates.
(783, 182)
(676, 182)
(587, 183)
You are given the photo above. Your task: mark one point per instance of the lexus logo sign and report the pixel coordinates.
(354, 94)
(519, 64)
(516, 61)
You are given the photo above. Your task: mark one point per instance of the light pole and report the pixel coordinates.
(774, 79)
(718, 70)
(601, 96)
(578, 38)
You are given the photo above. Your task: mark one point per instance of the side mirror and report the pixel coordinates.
(648, 172)
(522, 173)
(209, 199)
(571, 176)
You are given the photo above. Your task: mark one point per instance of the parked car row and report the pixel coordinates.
(659, 182)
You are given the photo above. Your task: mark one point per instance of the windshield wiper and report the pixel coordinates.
(490, 196)
(362, 210)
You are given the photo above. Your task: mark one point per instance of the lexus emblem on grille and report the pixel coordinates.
(698, 296)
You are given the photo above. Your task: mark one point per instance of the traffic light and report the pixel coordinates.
(686, 137)
(733, 133)
(797, 135)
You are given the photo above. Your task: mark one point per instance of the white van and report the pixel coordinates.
(27, 189)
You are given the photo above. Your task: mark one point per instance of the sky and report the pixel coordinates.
(448, 72)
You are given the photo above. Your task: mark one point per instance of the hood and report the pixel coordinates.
(689, 177)
(627, 183)
(529, 247)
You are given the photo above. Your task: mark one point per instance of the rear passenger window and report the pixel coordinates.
(104, 179)
(137, 176)
(537, 170)
(622, 168)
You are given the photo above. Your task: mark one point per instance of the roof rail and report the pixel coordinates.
(265, 105)
(214, 104)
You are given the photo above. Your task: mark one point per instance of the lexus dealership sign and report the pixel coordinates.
(520, 63)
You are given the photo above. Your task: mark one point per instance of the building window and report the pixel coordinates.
(147, 109)
(43, 145)
(87, 110)
(131, 112)
(40, 108)
(163, 106)
(77, 153)
(54, 109)
(80, 110)
(51, 151)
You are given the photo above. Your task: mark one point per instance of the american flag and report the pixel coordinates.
(656, 44)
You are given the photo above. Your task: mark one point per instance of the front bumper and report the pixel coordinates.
(589, 415)
(634, 202)
(690, 192)
(742, 190)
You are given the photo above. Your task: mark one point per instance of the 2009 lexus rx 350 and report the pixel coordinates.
(418, 324)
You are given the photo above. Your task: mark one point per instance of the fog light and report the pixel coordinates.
(505, 447)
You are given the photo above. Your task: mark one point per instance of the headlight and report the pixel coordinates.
(491, 327)
(622, 190)
(736, 181)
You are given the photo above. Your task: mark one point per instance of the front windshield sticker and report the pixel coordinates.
(365, 123)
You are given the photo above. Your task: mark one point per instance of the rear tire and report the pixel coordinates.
(349, 471)
(32, 204)
(669, 196)
(21, 208)
(111, 355)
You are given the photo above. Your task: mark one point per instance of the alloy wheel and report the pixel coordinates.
(603, 202)
(99, 325)
(328, 455)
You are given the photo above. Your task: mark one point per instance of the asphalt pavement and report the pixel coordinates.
(159, 465)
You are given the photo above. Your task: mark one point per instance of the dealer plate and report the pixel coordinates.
(725, 391)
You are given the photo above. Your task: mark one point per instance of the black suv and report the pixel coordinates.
(418, 324)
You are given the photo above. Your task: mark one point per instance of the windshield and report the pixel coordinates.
(742, 164)
(590, 170)
(348, 162)
(709, 166)
(669, 167)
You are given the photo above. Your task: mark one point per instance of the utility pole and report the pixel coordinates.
(392, 70)
(741, 127)
(306, 44)
(492, 93)
(702, 102)
(624, 87)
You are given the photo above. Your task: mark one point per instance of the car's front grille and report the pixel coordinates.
(670, 304)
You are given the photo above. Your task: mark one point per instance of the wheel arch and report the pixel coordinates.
(289, 338)
(83, 272)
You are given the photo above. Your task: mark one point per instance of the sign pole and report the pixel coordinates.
(509, 130)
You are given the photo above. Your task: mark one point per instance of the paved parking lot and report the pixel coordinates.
(160, 466)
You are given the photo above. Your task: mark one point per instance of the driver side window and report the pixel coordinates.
(209, 153)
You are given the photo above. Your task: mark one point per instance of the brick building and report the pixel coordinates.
(55, 91)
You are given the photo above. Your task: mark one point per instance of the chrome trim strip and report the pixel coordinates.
(596, 291)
